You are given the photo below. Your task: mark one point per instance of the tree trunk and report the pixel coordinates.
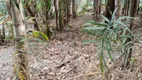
(138, 4)
(56, 13)
(119, 6)
(19, 31)
(2, 34)
(74, 9)
(47, 31)
(100, 6)
(96, 9)
(132, 13)
(61, 15)
(110, 6)
(126, 7)
(68, 10)
(65, 11)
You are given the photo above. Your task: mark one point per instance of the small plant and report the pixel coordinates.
(35, 36)
(109, 33)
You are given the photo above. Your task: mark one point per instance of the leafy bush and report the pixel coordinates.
(109, 33)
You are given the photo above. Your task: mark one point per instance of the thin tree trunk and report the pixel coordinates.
(119, 6)
(61, 15)
(65, 11)
(138, 3)
(100, 5)
(96, 9)
(74, 9)
(47, 21)
(132, 13)
(126, 7)
(56, 13)
(2, 34)
(68, 10)
(19, 31)
(110, 6)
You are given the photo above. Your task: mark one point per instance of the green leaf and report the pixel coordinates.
(125, 18)
(30, 20)
(93, 28)
(108, 47)
(37, 34)
(89, 41)
(121, 23)
(113, 15)
(87, 25)
(49, 5)
(102, 67)
(1, 19)
(45, 36)
(38, 40)
(105, 18)
(23, 40)
(98, 23)
(115, 36)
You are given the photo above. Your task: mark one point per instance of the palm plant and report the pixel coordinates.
(109, 33)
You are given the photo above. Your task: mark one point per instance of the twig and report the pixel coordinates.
(137, 38)
(64, 63)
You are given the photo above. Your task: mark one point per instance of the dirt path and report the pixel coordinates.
(66, 57)
(6, 63)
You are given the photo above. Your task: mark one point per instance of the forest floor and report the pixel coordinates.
(66, 57)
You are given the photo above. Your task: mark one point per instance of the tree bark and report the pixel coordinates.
(61, 15)
(138, 4)
(126, 7)
(96, 9)
(119, 6)
(132, 13)
(56, 13)
(110, 6)
(74, 9)
(68, 10)
(47, 31)
(19, 31)
(2, 35)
